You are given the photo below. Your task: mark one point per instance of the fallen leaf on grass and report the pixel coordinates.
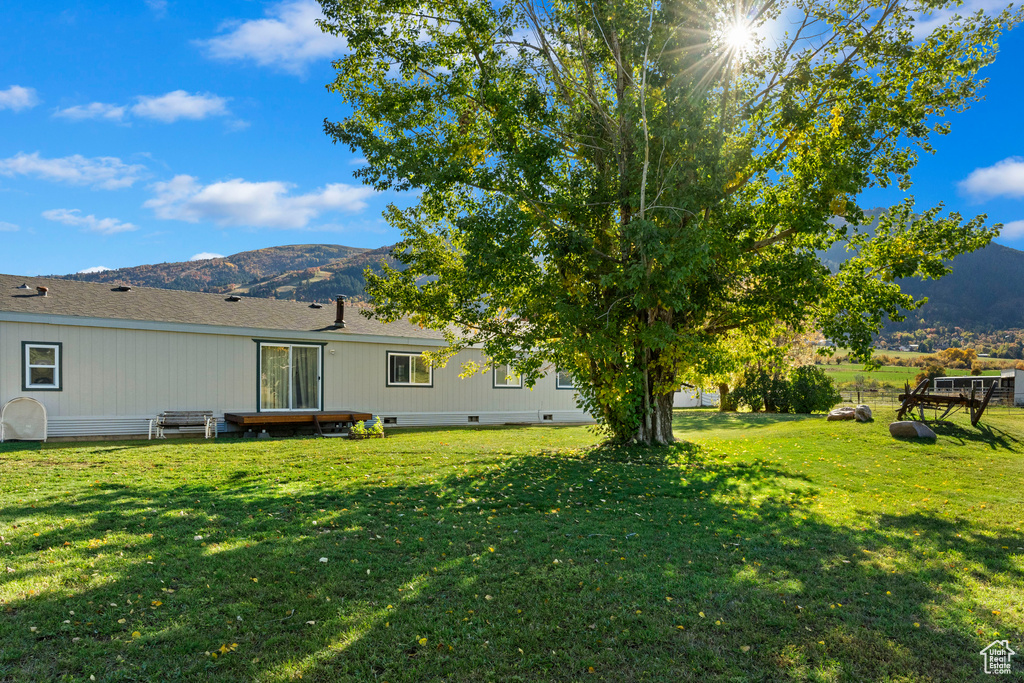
(744, 648)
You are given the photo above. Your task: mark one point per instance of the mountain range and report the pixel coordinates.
(984, 292)
(305, 272)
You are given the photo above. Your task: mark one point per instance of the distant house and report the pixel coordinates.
(1010, 381)
(690, 396)
(105, 359)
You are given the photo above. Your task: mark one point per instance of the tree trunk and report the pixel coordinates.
(656, 428)
(725, 401)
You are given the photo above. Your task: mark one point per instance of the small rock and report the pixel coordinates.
(842, 414)
(910, 429)
(862, 413)
(198, 538)
(323, 559)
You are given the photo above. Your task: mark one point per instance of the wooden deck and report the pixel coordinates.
(298, 418)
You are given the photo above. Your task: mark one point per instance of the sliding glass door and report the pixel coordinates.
(290, 376)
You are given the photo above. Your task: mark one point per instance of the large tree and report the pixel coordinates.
(629, 190)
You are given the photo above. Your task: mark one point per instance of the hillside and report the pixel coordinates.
(308, 272)
(982, 294)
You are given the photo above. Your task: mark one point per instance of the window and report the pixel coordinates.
(409, 370)
(289, 376)
(564, 380)
(41, 365)
(505, 377)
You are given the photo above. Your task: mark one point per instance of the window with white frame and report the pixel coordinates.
(564, 380)
(290, 376)
(409, 370)
(41, 364)
(505, 377)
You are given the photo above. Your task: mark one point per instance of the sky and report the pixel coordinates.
(146, 131)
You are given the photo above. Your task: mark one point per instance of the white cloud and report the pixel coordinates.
(94, 110)
(94, 269)
(180, 105)
(168, 108)
(1014, 230)
(1003, 179)
(17, 98)
(104, 226)
(106, 173)
(288, 39)
(240, 203)
(8, 227)
(205, 256)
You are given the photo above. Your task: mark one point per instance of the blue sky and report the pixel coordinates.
(157, 130)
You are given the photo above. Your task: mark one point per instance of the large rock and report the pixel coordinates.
(842, 414)
(909, 429)
(863, 413)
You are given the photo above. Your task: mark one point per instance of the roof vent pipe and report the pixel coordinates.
(42, 290)
(339, 318)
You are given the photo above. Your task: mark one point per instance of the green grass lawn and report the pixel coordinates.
(770, 548)
(889, 375)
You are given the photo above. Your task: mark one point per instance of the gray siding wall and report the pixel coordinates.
(131, 375)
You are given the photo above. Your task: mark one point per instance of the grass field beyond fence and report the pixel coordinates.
(767, 548)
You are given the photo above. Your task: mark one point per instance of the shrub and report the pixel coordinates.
(360, 431)
(760, 390)
(930, 372)
(812, 390)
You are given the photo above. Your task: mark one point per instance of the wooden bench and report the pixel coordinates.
(183, 419)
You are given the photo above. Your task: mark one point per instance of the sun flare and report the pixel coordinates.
(738, 37)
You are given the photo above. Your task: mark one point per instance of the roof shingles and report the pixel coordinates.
(103, 300)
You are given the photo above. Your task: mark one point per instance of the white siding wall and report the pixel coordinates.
(134, 372)
(115, 379)
(356, 378)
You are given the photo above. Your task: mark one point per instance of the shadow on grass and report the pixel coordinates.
(544, 567)
(982, 433)
(698, 420)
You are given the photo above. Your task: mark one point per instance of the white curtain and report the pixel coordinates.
(274, 378)
(304, 378)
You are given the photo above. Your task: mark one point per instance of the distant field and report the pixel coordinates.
(891, 375)
(900, 354)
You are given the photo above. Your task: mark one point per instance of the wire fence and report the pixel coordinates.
(1002, 398)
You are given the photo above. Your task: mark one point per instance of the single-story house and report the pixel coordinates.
(1009, 382)
(105, 359)
(690, 396)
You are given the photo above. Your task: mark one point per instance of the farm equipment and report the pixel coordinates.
(920, 399)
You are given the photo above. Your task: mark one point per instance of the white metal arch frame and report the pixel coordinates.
(23, 418)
